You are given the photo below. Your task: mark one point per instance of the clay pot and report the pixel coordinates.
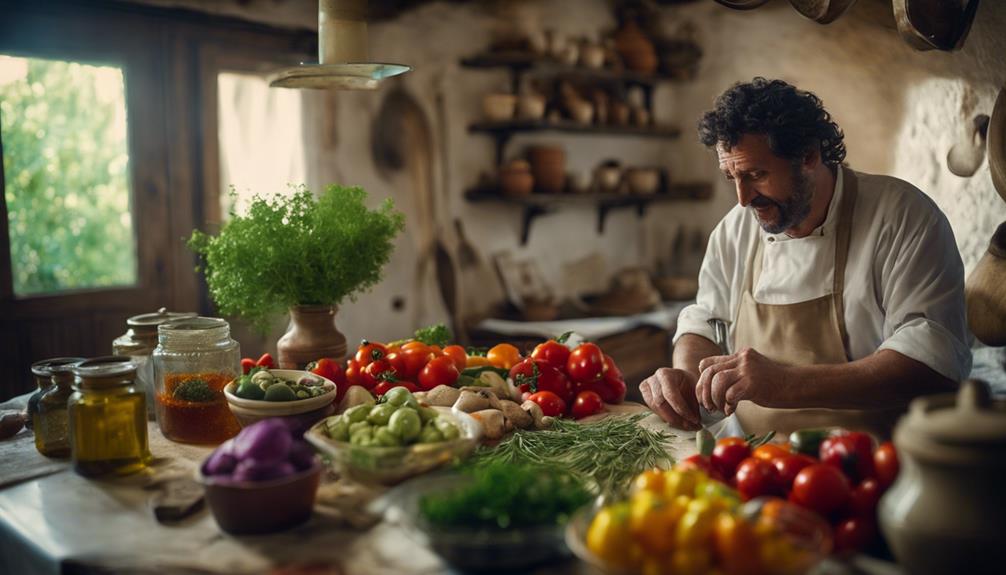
(499, 107)
(636, 49)
(548, 166)
(608, 177)
(516, 179)
(618, 113)
(592, 55)
(641, 116)
(531, 107)
(581, 111)
(643, 180)
(312, 336)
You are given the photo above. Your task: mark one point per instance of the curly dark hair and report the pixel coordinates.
(794, 120)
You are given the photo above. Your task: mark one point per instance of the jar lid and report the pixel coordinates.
(968, 419)
(148, 322)
(190, 324)
(103, 372)
(47, 367)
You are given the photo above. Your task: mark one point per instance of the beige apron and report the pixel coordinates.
(804, 333)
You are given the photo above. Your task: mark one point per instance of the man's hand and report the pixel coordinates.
(725, 380)
(670, 393)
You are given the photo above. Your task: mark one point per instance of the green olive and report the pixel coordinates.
(380, 414)
(405, 423)
(357, 413)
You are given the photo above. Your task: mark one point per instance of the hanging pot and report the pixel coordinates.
(939, 24)
(966, 156)
(822, 11)
(742, 4)
(996, 144)
(985, 293)
(312, 336)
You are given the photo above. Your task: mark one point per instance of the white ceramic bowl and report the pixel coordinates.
(499, 107)
(248, 411)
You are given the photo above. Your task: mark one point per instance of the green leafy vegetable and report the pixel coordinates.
(297, 250)
(195, 390)
(610, 452)
(504, 496)
(434, 335)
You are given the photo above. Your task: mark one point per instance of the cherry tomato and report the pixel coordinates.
(397, 361)
(381, 388)
(265, 361)
(369, 352)
(458, 355)
(821, 488)
(701, 463)
(727, 456)
(854, 534)
(536, 375)
(356, 376)
(612, 390)
(864, 499)
(332, 371)
(885, 463)
(247, 364)
(610, 369)
(414, 345)
(414, 360)
(731, 441)
(439, 371)
(585, 363)
(552, 353)
(378, 371)
(587, 403)
(789, 465)
(850, 452)
(504, 355)
(757, 477)
(770, 452)
(550, 403)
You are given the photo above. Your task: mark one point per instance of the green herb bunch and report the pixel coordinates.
(297, 250)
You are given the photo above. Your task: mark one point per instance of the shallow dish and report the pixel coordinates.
(390, 465)
(248, 411)
(254, 507)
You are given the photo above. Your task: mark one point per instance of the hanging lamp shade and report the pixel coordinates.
(343, 61)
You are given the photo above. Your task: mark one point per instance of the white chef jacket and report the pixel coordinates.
(904, 280)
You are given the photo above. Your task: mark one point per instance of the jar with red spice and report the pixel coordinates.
(193, 361)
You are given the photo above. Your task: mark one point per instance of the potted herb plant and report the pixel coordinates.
(302, 254)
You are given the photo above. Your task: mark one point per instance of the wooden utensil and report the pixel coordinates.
(822, 11)
(939, 24)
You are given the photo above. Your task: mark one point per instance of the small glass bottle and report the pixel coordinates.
(138, 344)
(108, 418)
(194, 359)
(42, 370)
(52, 429)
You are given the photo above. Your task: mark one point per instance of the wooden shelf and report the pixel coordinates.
(537, 204)
(499, 129)
(519, 62)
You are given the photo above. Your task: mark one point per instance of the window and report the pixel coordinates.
(66, 167)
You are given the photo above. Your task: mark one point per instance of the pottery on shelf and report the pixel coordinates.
(548, 166)
(643, 180)
(312, 336)
(499, 107)
(592, 55)
(515, 178)
(531, 107)
(635, 49)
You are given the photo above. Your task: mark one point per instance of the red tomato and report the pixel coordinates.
(701, 463)
(850, 452)
(789, 466)
(885, 464)
(727, 456)
(265, 361)
(552, 353)
(613, 390)
(247, 364)
(380, 370)
(369, 352)
(550, 403)
(397, 362)
(821, 488)
(585, 363)
(414, 359)
(770, 452)
(536, 375)
(587, 403)
(610, 369)
(458, 355)
(332, 371)
(854, 534)
(439, 371)
(757, 477)
(355, 375)
(414, 345)
(383, 387)
(864, 499)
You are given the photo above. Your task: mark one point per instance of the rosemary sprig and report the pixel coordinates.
(609, 452)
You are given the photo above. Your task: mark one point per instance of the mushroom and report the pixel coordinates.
(541, 421)
(442, 396)
(492, 421)
(516, 416)
(473, 399)
(495, 383)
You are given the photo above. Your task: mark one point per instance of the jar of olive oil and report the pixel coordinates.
(108, 418)
(43, 380)
(52, 420)
(194, 360)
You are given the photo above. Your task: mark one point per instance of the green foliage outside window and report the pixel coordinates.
(66, 172)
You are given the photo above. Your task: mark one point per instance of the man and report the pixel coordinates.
(843, 291)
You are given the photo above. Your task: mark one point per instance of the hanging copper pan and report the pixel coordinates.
(822, 11)
(939, 24)
(742, 4)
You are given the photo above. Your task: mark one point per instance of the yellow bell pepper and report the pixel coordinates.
(609, 536)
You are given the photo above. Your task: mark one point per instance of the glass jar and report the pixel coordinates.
(108, 418)
(194, 359)
(52, 420)
(42, 370)
(138, 344)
